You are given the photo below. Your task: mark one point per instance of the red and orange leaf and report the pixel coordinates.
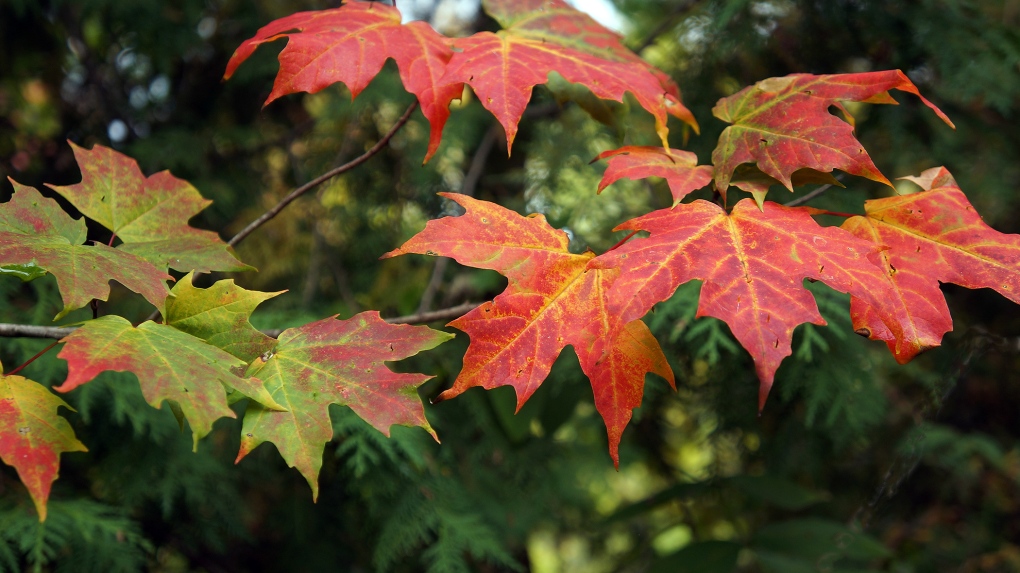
(550, 36)
(753, 264)
(783, 124)
(169, 364)
(679, 168)
(149, 214)
(350, 44)
(32, 435)
(335, 362)
(933, 236)
(37, 235)
(552, 301)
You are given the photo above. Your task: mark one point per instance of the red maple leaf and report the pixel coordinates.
(753, 263)
(933, 236)
(540, 37)
(783, 124)
(350, 44)
(552, 300)
(679, 168)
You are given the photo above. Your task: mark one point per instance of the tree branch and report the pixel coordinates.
(31, 331)
(265, 217)
(435, 315)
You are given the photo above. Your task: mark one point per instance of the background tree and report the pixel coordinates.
(917, 467)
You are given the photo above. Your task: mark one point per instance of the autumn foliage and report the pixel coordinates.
(752, 256)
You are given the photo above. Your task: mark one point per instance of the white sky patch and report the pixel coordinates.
(603, 12)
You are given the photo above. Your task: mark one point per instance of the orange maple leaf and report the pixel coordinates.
(553, 299)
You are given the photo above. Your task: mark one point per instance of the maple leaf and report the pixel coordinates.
(753, 263)
(679, 168)
(34, 435)
(546, 36)
(36, 235)
(170, 365)
(552, 300)
(335, 362)
(783, 124)
(219, 315)
(350, 44)
(149, 214)
(933, 236)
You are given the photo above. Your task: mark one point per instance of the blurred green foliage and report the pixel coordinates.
(856, 463)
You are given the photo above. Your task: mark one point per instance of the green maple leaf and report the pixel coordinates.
(149, 214)
(219, 315)
(335, 362)
(37, 236)
(170, 365)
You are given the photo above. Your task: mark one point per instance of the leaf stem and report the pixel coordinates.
(835, 213)
(622, 241)
(275, 210)
(33, 359)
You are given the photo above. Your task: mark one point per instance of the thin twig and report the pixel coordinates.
(416, 318)
(905, 463)
(58, 332)
(265, 217)
(809, 196)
